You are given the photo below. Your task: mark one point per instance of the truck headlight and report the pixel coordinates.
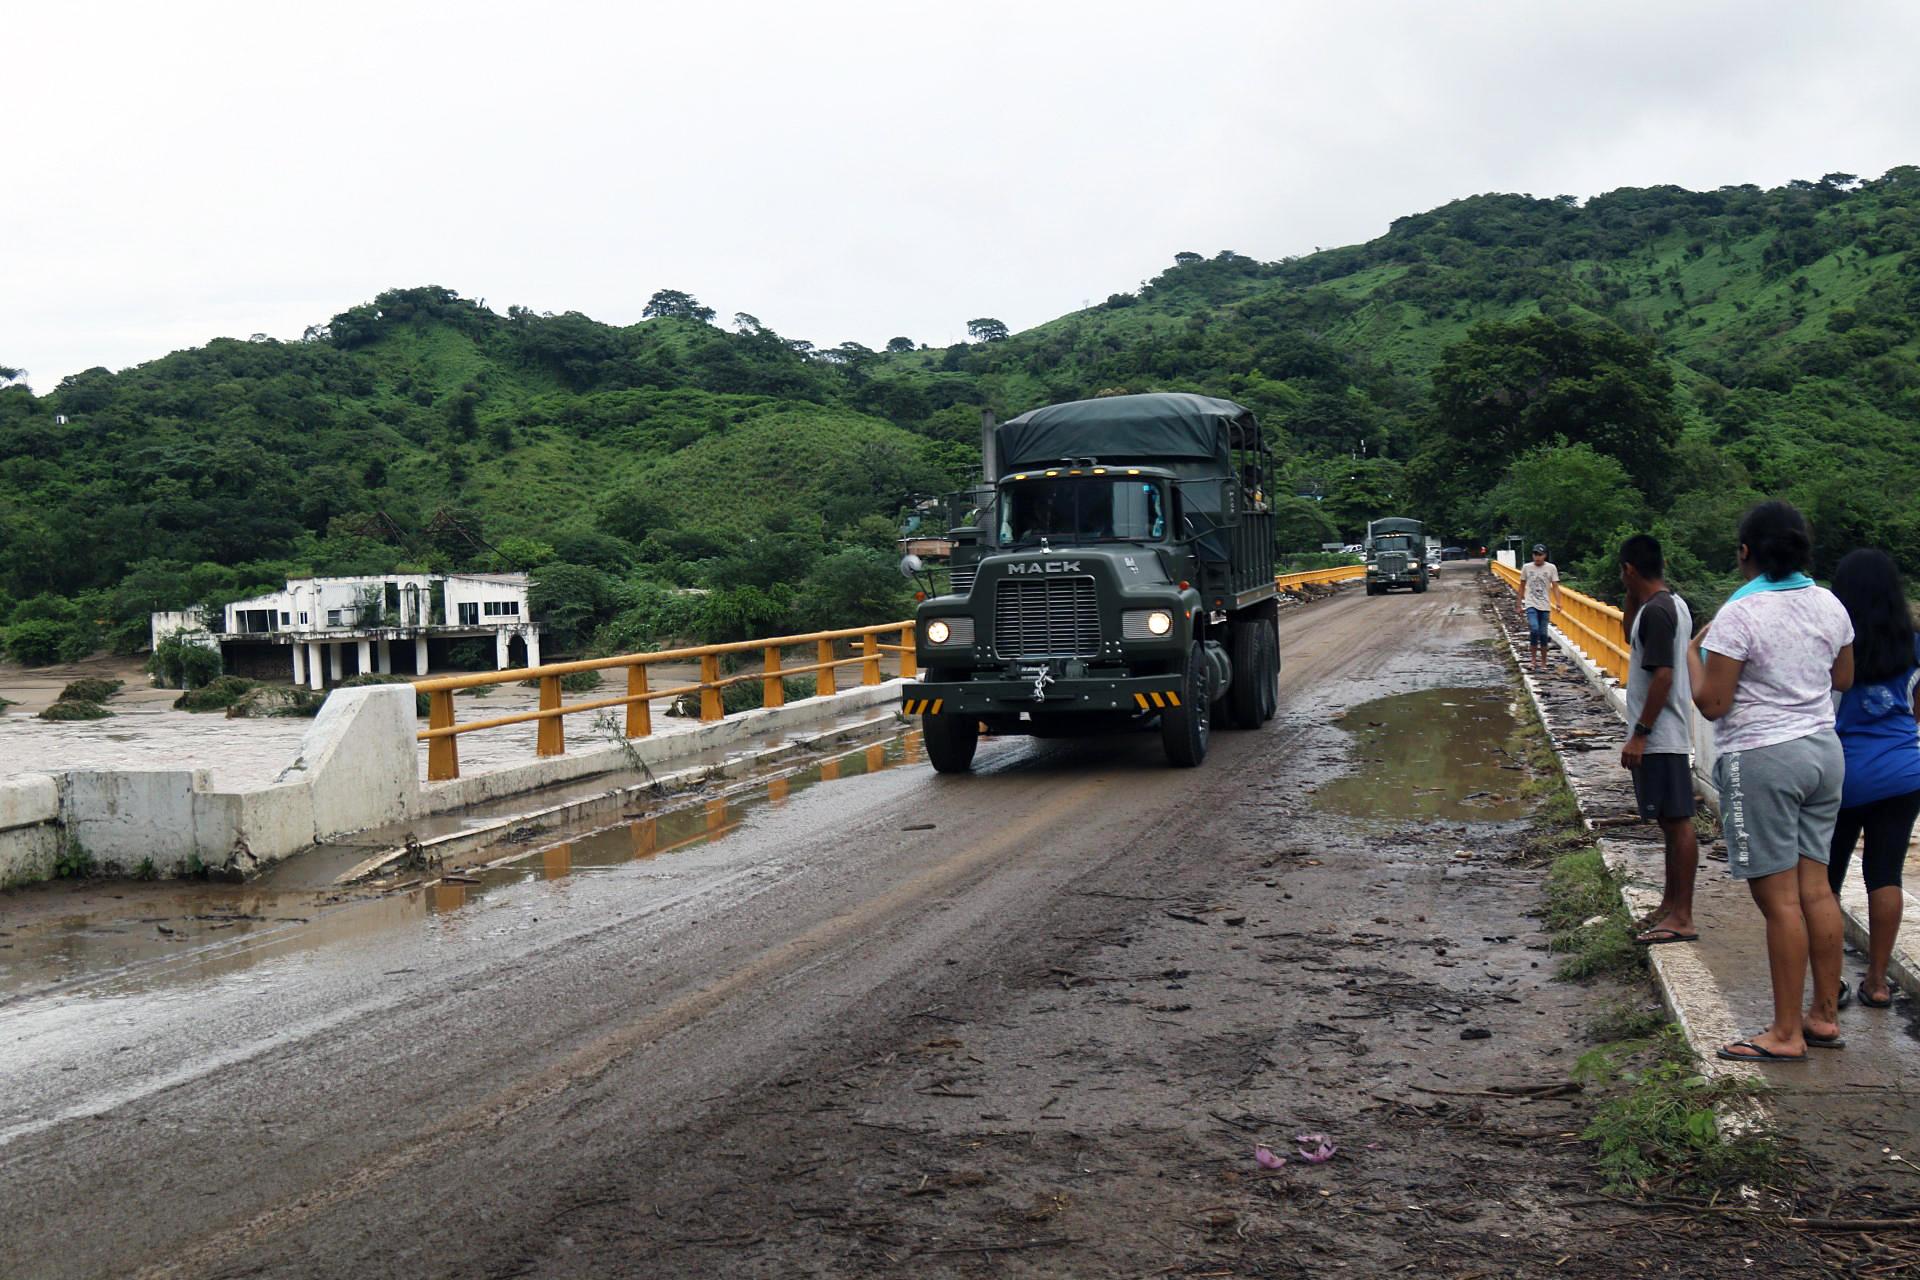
(1159, 622)
(938, 631)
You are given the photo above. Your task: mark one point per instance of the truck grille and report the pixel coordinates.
(1046, 618)
(960, 577)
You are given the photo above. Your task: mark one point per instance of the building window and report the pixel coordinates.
(333, 617)
(502, 608)
(303, 617)
(285, 618)
(469, 615)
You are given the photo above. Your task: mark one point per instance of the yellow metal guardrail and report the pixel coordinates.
(1594, 625)
(441, 734)
(1294, 581)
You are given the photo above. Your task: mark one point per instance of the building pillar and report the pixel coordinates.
(386, 656)
(299, 662)
(333, 661)
(365, 650)
(316, 678)
(533, 648)
(419, 655)
(500, 649)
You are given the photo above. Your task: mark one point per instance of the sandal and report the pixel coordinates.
(1660, 937)
(1759, 1054)
(1872, 1003)
(1846, 996)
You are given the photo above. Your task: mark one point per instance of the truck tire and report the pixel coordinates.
(1249, 654)
(1269, 669)
(950, 740)
(1184, 729)
(1420, 588)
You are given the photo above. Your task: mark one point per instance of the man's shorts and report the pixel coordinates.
(1537, 620)
(1778, 803)
(1663, 785)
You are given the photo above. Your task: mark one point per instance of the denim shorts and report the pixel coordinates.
(1778, 803)
(1537, 620)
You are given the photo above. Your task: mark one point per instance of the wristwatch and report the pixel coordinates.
(1642, 730)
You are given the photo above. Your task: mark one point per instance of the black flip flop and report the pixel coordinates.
(1646, 939)
(1823, 1042)
(1759, 1054)
(1846, 996)
(1871, 1003)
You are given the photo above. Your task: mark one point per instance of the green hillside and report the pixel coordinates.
(1551, 367)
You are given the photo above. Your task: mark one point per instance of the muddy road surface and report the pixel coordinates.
(1030, 1022)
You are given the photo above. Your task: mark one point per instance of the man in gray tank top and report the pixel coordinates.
(1659, 738)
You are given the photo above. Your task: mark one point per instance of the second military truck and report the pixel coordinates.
(1116, 573)
(1396, 555)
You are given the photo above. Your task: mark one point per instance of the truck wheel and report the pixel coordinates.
(1184, 729)
(1419, 588)
(1269, 670)
(950, 740)
(1249, 655)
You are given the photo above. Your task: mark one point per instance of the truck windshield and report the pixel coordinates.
(1081, 511)
(1393, 542)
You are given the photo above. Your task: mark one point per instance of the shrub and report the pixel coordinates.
(65, 710)
(35, 642)
(73, 862)
(179, 663)
(216, 695)
(572, 682)
(742, 697)
(91, 689)
(421, 701)
(274, 701)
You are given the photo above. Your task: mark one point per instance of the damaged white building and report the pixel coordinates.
(331, 629)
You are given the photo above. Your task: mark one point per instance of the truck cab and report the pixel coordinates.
(1396, 555)
(1117, 575)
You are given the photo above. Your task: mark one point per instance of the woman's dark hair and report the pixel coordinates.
(1869, 585)
(1777, 538)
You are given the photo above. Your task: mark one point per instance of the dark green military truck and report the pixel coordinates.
(1116, 573)
(1396, 555)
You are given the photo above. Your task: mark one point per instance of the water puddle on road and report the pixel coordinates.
(170, 933)
(1440, 754)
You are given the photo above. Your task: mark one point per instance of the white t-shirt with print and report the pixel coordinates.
(1788, 641)
(1536, 584)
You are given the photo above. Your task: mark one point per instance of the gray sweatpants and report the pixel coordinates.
(1778, 803)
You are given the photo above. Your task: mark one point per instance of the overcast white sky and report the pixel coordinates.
(181, 171)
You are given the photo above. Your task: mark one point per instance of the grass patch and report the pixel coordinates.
(65, 710)
(1657, 1126)
(74, 862)
(90, 689)
(216, 695)
(1588, 926)
(572, 682)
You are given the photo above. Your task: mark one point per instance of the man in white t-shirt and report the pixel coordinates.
(1539, 597)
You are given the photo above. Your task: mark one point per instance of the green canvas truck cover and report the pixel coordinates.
(1162, 425)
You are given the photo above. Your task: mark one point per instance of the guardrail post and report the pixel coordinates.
(711, 708)
(639, 714)
(823, 679)
(773, 690)
(870, 669)
(909, 663)
(443, 754)
(552, 739)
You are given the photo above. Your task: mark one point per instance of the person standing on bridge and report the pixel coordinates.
(1764, 672)
(1881, 795)
(1539, 597)
(1660, 738)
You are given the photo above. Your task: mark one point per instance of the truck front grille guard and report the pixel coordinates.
(1046, 618)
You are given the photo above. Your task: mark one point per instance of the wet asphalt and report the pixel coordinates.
(394, 1088)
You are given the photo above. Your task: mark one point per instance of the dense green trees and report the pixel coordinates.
(678, 479)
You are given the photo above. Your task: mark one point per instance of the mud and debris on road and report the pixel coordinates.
(1038, 1021)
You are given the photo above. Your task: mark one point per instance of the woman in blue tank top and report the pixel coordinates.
(1880, 797)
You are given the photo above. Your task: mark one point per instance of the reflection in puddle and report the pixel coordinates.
(164, 935)
(1436, 754)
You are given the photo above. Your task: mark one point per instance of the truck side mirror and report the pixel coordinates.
(910, 566)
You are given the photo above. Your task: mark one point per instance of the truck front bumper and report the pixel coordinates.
(1007, 697)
